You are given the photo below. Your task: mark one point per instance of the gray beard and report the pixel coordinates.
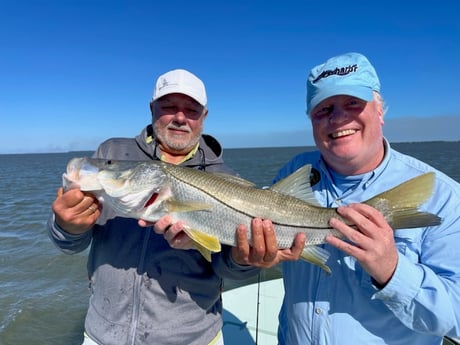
(174, 144)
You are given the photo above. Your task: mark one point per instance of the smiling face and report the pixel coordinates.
(348, 132)
(177, 124)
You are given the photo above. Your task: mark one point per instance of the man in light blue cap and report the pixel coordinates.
(386, 287)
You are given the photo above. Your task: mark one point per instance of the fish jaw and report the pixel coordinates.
(80, 174)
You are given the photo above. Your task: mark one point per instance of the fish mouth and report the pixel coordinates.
(342, 133)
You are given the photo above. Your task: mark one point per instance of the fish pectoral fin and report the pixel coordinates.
(186, 206)
(205, 243)
(317, 256)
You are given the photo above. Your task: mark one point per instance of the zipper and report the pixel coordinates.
(137, 289)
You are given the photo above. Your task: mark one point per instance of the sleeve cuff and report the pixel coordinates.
(403, 286)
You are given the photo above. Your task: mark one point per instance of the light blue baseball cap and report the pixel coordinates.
(349, 74)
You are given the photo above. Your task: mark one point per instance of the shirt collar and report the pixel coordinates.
(365, 179)
(186, 158)
(150, 140)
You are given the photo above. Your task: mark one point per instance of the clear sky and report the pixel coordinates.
(73, 73)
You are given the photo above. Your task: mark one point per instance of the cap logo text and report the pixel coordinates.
(164, 83)
(337, 71)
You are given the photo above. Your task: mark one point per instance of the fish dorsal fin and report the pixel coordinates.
(205, 243)
(235, 179)
(297, 185)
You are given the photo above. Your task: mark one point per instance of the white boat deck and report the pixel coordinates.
(251, 313)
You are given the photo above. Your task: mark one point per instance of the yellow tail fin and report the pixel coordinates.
(400, 204)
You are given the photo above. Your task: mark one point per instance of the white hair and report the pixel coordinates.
(378, 98)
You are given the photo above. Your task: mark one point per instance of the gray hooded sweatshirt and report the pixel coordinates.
(142, 290)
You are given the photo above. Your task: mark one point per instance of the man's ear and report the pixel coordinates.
(381, 113)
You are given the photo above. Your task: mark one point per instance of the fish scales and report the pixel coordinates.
(289, 215)
(280, 208)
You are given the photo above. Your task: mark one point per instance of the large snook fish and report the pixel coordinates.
(213, 204)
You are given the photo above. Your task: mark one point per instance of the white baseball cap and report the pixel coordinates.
(180, 81)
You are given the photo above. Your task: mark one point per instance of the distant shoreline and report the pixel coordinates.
(233, 148)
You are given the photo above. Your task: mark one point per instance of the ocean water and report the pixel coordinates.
(44, 293)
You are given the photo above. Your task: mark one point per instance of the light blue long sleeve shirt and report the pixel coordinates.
(421, 302)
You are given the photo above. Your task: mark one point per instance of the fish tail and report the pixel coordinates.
(400, 204)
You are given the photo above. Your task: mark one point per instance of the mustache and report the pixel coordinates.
(184, 128)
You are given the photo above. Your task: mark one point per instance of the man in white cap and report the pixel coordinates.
(386, 287)
(143, 289)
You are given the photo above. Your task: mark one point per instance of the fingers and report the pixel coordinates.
(88, 207)
(173, 232)
(293, 253)
(298, 246)
(76, 200)
(144, 223)
(181, 241)
(75, 211)
(162, 225)
(263, 250)
(240, 252)
(359, 234)
(264, 244)
(59, 192)
(368, 224)
(93, 208)
(371, 240)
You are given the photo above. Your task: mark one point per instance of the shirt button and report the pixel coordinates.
(318, 311)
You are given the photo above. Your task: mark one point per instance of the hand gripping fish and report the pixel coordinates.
(213, 204)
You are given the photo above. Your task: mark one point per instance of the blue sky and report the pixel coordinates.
(73, 73)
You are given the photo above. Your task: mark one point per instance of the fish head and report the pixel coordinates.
(130, 188)
(139, 190)
(81, 174)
